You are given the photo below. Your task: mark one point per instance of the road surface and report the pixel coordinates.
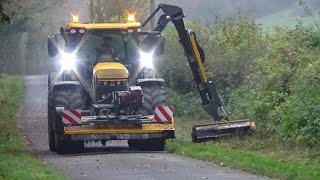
(114, 161)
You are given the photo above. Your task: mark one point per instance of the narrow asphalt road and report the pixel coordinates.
(114, 161)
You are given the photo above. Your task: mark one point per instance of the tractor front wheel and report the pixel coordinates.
(51, 134)
(69, 97)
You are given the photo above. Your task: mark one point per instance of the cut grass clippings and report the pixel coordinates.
(16, 162)
(267, 161)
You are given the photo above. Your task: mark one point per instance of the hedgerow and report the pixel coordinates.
(272, 77)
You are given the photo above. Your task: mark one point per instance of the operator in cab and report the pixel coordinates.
(106, 52)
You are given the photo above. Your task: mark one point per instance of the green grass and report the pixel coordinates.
(16, 162)
(260, 153)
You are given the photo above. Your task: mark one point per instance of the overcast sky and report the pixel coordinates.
(254, 8)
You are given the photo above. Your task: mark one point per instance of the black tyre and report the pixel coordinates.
(133, 144)
(51, 134)
(69, 98)
(64, 145)
(148, 145)
(154, 145)
(153, 95)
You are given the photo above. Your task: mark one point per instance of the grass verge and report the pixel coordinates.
(16, 162)
(255, 154)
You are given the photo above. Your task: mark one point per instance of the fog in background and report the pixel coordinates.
(197, 9)
(253, 8)
(24, 41)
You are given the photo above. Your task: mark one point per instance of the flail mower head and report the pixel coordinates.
(204, 132)
(222, 126)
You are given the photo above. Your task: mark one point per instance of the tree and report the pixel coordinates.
(23, 47)
(118, 10)
(3, 16)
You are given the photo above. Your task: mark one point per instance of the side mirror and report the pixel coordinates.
(154, 42)
(52, 48)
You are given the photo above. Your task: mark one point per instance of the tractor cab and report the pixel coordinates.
(107, 57)
(90, 44)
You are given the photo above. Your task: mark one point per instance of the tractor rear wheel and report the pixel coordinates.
(69, 98)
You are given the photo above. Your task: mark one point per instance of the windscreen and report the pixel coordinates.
(124, 46)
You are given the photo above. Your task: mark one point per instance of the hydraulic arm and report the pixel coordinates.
(195, 55)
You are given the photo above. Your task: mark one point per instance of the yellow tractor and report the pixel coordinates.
(105, 87)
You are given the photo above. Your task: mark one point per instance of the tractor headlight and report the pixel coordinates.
(68, 61)
(146, 60)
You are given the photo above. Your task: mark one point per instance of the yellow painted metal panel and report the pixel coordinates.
(110, 70)
(158, 126)
(202, 70)
(109, 131)
(116, 129)
(105, 25)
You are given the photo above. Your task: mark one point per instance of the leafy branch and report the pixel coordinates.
(309, 12)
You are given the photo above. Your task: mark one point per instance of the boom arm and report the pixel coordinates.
(195, 55)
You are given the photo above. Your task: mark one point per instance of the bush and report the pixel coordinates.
(186, 105)
(270, 77)
(283, 94)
